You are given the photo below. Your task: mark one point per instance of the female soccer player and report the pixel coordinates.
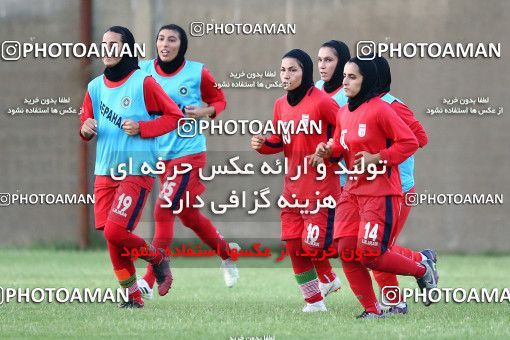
(369, 131)
(189, 84)
(332, 57)
(302, 231)
(406, 170)
(119, 108)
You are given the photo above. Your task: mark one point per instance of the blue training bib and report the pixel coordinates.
(184, 89)
(111, 107)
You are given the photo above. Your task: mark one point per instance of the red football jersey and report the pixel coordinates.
(315, 106)
(405, 113)
(374, 127)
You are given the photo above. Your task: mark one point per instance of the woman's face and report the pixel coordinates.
(168, 44)
(327, 62)
(111, 39)
(352, 80)
(291, 74)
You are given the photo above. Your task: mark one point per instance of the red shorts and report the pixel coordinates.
(185, 186)
(372, 219)
(121, 202)
(316, 230)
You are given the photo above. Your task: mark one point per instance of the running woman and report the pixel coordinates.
(406, 170)
(332, 57)
(189, 84)
(304, 232)
(119, 109)
(368, 131)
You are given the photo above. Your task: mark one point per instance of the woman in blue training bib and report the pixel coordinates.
(118, 110)
(189, 84)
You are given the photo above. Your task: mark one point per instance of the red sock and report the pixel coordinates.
(384, 280)
(125, 272)
(358, 277)
(394, 263)
(127, 241)
(324, 270)
(409, 253)
(304, 272)
(163, 235)
(164, 219)
(149, 276)
(205, 230)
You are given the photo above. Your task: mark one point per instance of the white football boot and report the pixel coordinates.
(327, 288)
(318, 306)
(145, 289)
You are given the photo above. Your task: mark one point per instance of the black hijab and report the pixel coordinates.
(343, 54)
(295, 96)
(369, 85)
(127, 63)
(171, 66)
(384, 74)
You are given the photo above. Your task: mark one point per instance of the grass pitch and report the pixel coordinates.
(266, 302)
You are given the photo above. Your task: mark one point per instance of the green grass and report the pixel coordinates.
(266, 301)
